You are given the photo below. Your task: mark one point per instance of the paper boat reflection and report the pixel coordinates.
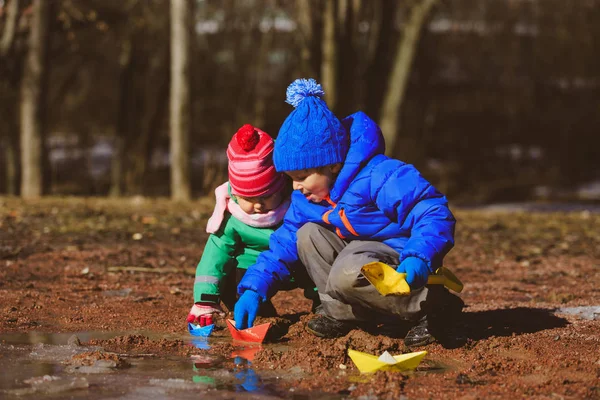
(255, 334)
(369, 363)
(247, 353)
(200, 343)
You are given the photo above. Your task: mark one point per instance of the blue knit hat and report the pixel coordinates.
(311, 136)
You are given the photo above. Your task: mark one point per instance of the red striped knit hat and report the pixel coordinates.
(251, 169)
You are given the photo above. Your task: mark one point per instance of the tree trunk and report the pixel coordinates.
(11, 163)
(329, 61)
(180, 107)
(396, 88)
(148, 123)
(380, 46)
(305, 36)
(32, 101)
(8, 35)
(348, 78)
(10, 139)
(260, 89)
(116, 168)
(126, 89)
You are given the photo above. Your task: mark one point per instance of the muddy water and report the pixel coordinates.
(57, 366)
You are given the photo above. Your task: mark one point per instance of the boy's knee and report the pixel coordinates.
(306, 235)
(342, 280)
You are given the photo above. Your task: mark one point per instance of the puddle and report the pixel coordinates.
(25, 374)
(55, 365)
(53, 338)
(43, 365)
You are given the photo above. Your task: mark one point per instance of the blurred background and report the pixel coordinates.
(493, 100)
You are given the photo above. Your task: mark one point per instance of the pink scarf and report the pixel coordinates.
(224, 202)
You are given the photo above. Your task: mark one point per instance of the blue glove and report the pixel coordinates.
(245, 309)
(416, 272)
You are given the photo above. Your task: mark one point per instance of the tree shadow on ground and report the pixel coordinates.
(474, 326)
(506, 322)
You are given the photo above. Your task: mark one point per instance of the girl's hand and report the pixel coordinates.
(202, 313)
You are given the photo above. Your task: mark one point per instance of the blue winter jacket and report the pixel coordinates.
(373, 198)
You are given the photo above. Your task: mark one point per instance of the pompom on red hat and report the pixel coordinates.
(251, 169)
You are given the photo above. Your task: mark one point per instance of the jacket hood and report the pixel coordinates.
(366, 141)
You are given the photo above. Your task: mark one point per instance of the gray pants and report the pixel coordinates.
(334, 265)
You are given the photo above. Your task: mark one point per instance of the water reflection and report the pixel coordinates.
(214, 373)
(247, 379)
(199, 365)
(200, 343)
(54, 338)
(248, 352)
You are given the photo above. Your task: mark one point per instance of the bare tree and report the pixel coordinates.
(305, 36)
(396, 87)
(8, 35)
(330, 54)
(260, 91)
(125, 90)
(9, 137)
(180, 107)
(32, 101)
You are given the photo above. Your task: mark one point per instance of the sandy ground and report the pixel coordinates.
(72, 265)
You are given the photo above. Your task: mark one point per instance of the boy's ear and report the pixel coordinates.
(335, 168)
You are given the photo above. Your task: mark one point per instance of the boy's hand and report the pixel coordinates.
(245, 309)
(203, 309)
(416, 272)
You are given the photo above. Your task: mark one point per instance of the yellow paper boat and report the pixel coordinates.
(369, 363)
(388, 281)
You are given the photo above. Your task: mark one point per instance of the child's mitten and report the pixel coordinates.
(416, 271)
(201, 312)
(245, 309)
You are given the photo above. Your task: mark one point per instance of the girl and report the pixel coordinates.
(248, 209)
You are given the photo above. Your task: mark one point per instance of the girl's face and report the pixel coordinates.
(260, 205)
(314, 183)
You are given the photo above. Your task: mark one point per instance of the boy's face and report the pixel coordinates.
(259, 205)
(314, 183)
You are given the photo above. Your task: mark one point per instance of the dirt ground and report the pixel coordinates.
(72, 265)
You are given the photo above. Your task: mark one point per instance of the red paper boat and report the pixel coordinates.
(255, 334)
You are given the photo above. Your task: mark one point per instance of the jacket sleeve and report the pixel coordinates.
(407, 198)
(273, 266)
(216, 262)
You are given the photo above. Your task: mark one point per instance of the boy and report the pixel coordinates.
(351, 205)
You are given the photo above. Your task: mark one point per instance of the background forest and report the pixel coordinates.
(493, 100)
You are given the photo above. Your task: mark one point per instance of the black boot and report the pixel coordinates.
(327, 327)
(318, 310)
(419, 335)
(440, 322)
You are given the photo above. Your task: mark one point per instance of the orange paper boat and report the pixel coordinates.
(255, 334)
